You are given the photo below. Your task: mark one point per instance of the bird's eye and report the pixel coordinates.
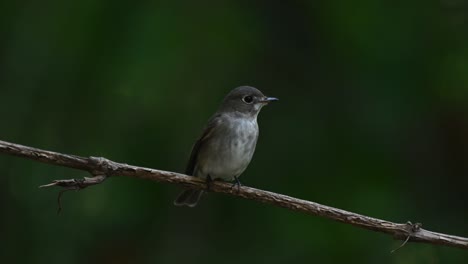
(248, 99)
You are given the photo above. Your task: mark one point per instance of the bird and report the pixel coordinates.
(227, 144)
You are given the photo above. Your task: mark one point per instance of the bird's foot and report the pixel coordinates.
(237, 183)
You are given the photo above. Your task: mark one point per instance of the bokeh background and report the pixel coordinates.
(372, 118)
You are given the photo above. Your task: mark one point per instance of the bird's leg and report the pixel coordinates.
(237, 183)
(208, 182)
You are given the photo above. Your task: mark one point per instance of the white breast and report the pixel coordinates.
(234, 148)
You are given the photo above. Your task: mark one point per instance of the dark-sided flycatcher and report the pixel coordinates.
(228, 141)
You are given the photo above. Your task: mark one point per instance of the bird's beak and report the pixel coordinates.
(266, 100)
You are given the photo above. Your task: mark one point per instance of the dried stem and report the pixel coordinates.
(102, 168)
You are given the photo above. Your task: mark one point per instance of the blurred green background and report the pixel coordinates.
(372, 118)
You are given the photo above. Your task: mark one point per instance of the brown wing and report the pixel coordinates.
(207, 132)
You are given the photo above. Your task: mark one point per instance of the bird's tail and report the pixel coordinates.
(188, 198)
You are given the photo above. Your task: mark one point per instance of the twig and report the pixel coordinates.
(59, 200)
(414, 228)
(73, 184)
(103, 168)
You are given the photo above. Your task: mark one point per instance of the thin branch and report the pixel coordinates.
(73, 184)
(402, 245)
(102, 168)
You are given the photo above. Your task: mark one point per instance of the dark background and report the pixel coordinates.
(372, 118)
